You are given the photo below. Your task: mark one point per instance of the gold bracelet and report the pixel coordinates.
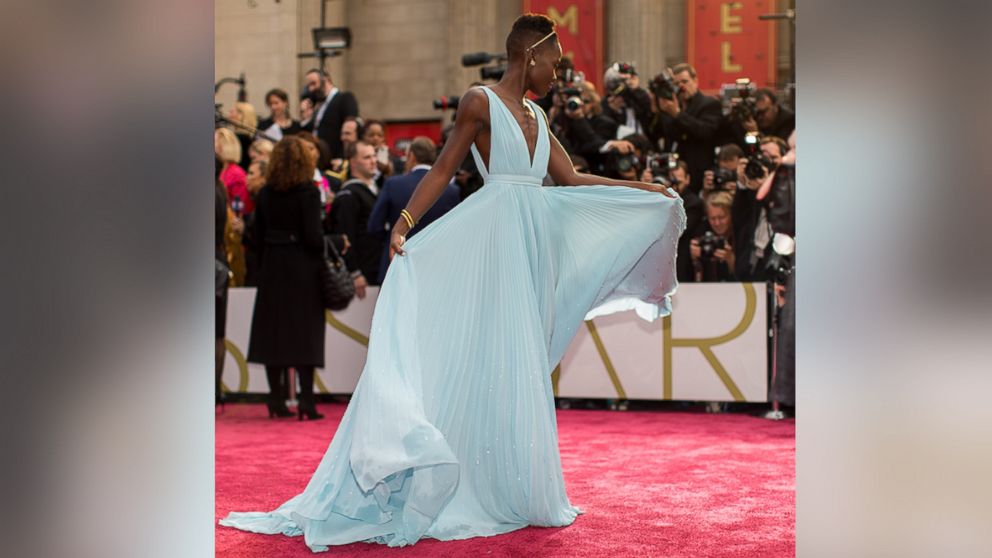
(408, 218)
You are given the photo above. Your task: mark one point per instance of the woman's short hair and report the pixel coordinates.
(230, 147)
(289, 165)
(248, 116)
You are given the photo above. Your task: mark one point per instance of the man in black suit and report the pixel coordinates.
(691, 119)
(396, 193)
(350, 217)
(332, 107)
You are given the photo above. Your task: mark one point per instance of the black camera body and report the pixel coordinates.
(622, 163)
(709, 243)
(663, 85)
(744, 107)
(724, 179)
(661, 166)
(758, 164)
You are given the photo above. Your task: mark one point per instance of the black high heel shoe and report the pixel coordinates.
(311, 413)
(278, 411)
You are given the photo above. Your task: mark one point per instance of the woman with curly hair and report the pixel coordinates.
(287, 327)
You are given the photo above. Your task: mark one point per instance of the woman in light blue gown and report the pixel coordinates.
(451, 431)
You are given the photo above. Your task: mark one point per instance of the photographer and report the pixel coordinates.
(626, 103)
(577, 121)
(687, 120)
(628, 161)
(712, 249)
(660, 170)
(770, 118)
(751, 210)
(728, 169)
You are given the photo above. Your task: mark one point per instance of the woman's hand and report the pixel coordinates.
(652, 187)
(398, 238)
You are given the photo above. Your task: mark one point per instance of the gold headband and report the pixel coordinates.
(531, 47)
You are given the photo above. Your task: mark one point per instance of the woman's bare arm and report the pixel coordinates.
(473, 110)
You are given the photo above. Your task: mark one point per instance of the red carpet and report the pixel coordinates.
(651, 484)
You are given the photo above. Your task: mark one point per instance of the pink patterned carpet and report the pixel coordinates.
(665, 484)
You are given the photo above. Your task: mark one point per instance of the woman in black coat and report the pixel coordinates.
(287, 326)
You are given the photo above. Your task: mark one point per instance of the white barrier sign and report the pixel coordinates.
(712, 348)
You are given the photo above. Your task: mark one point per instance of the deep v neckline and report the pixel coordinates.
(531, 156)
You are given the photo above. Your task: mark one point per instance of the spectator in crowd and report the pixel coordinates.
(771, 118)
(374, 133)
(351, 131)
(397, 191)
(712, 249)
(350, 218)
(322, 180)
(626, 103)
(260, 150)
(690, 121)
(280, 123)
(287, 328)
(680, 178)
(325, 110)
(244, 114)
(228, 149)
(729, 167)
(256, 181)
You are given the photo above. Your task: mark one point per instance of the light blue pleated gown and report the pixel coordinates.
(451, 431)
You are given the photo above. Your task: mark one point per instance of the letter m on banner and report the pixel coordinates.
(580, 32)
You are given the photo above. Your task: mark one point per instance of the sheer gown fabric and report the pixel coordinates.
(451, 431)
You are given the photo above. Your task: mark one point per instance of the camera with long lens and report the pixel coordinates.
(758, 164)
(709, 243)
(494, 71)
(724, 179)
(663, 85)
(743, 107)
(446, 102)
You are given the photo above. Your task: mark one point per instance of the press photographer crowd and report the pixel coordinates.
(731, 159)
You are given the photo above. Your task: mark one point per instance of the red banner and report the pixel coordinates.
(726, 41)
(580, 32)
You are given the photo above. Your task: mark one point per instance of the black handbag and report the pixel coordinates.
(337, 288)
